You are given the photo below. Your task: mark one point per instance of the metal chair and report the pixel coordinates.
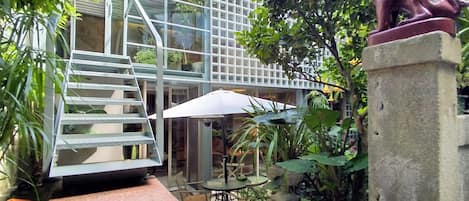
(184, 192)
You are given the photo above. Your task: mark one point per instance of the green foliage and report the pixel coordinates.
(280, 141)
(297, 165)
(330, 161)
(253, 194)
(189, 12)
(358, 163)
(174, 57)
(146, 56)
(317, 118)
(291, 33)
(22, 80)
(462, 75)
(282, 30)
(325, 159)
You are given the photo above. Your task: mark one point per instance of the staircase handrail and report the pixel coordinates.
(159, 66)
(151, 27)
(60, 106)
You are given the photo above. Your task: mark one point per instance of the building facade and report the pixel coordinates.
(200, 55)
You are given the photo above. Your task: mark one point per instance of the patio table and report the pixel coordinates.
(225, 188)
(256, 181)
(232, 185)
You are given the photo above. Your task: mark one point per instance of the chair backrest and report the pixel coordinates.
(177, 181)
(186, 193)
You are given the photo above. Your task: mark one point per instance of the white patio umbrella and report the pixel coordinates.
(217, 104)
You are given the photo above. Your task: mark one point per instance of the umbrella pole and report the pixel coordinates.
(225, 156)
(257, 158)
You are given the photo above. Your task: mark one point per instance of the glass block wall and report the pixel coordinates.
(230, 62)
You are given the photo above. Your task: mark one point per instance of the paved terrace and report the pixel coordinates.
(148, 190)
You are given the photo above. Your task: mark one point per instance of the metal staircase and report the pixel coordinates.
(102, 111)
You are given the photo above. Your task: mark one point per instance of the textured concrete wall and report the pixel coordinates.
(463, 122)
(413, 152)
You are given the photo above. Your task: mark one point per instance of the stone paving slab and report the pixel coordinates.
(152, 190)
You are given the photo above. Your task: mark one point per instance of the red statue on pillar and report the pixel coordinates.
(423, 16)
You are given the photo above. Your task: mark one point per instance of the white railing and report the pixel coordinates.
(159, 70)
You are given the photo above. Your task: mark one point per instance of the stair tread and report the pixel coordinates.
(78, 100)
(101, 74)
(100, 64)
(101, 118)
(69, 170)
(98, 140)
(92, 65)
(80, 85)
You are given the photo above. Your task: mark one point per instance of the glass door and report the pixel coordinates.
(93, 30)
(179, 134)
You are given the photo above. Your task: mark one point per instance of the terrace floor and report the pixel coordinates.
(150, 189)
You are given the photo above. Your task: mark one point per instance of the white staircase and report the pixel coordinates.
(102, 111)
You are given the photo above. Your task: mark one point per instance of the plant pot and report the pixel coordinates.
(174, 65)
(5, 193)
(197, 67)
(294, 178)
(17, 199)
(274, 172)
(187, 67)
(8, 185)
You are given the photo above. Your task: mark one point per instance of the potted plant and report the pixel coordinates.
(145, 56)
(187, 66)
(174, 60)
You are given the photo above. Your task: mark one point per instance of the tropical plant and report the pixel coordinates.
(330, 159)
(22, 82)
(281, 141)
(463, 33)
(253, 194)
(295, 34)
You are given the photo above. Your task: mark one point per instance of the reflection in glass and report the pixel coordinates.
(179, 130)
(188, 15)
(154, 9)
(137, 32)
(117, 27)
(185, 39)
(142, 54)
(176, 60)
(198, 2)
(90, 33)
(180, 60)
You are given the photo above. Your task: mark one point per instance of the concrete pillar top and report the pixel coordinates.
(431, 47)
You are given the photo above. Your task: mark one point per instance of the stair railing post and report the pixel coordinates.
(159, 103)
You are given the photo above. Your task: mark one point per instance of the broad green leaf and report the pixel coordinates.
(324, 159)
(321, 118)
(274, 185)
(298, 166)
(346, 123)
(358, 163)
(314, 148)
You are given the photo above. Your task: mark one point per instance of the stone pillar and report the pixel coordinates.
(464, 155)
(413, 139)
